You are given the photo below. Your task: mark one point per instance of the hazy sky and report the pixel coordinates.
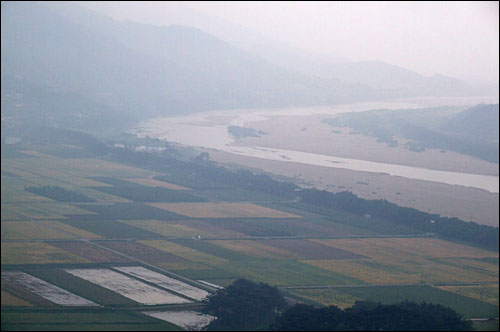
(459, 39)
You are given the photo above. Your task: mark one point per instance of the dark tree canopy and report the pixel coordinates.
(59, 194)
(370, 316)
(243, 306)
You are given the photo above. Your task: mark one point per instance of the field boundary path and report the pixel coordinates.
(249, 238)
(437, 284)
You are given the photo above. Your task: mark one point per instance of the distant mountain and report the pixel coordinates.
(140, 70)
(388, 80)
(480, 122)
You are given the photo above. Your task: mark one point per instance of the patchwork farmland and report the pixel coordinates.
(147, 264)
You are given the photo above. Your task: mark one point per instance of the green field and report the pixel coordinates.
(104, 320)
(466, 306)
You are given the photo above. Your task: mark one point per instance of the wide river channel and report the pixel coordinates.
(209, 130)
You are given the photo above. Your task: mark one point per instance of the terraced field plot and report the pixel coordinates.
(483, 293)
(49, 172)
(9, 300)
(13, 189)
(399, 260)
(80, 168)
(44, 289)
(142, 193)
(40, 210)
(392, 294)
(75, 232)
(255, 249)
(187, 253)
(24, 230)
(248, 227)
(215, 227)
(326, 297)
(90, 252)
(128, 287)
(281, 272)
(100, 196)
(165, 282)
(178, 229)
(223, 210)
(24, 294)
(155, 183)
(311, 250)
(109, 228)
(422, 247)
(369, 271)
(286, 249)
(103, 320)
(143, 252)
(132, 210)
(189, 320)
(36, 253)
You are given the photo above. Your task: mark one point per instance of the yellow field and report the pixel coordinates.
(369, 274)
(68, 170)
(326, 297)
(43, 230)
(18, 230)
(11, 300)
(178, 266)
(406, 260)
(485, 293)
(184, 252)
(35, 210)
(75, 232)
(36, 253)
(11, 212)
(254, 248)
(418, 247)
(222, 210)
(100, 196)
(155, 183)
(13, 191)
(89, 167)
(161, 227)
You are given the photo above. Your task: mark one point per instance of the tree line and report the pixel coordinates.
(246, 305)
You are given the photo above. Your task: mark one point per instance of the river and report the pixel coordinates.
(209, 130)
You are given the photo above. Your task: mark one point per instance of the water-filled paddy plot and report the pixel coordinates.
(48, 291)
(127, 286)
(189, 320)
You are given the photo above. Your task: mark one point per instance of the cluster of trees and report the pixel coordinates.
(370, 316)
(246, 305)
(449, 228)
(59, 194)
